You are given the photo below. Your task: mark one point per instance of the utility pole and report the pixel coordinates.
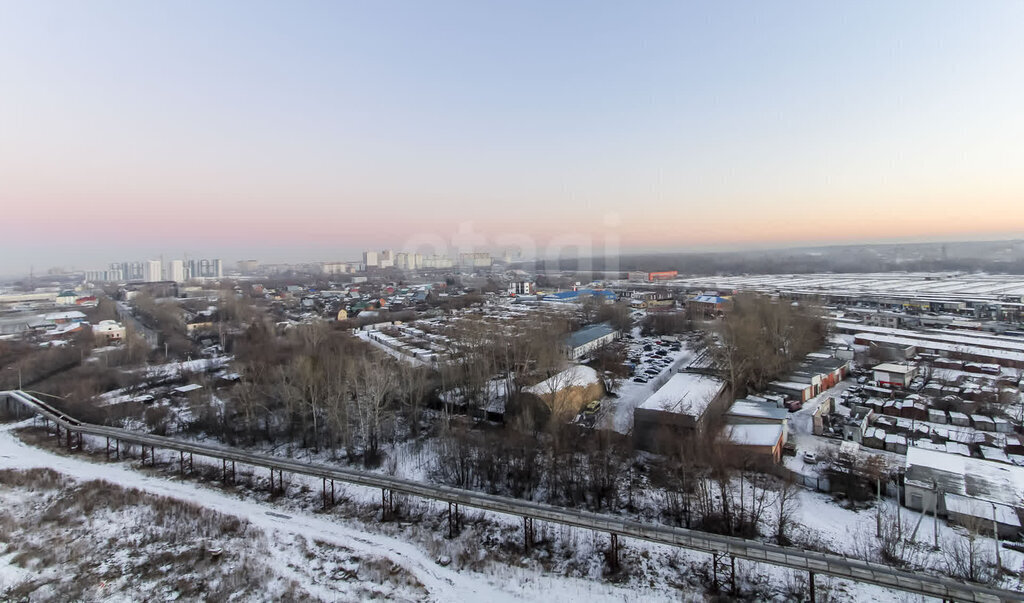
(16, 368)
(995, 535)
(878, 507)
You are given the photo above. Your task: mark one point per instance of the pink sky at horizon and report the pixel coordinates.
(267, 131)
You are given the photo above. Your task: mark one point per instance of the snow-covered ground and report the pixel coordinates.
(505, 583)
(661, 573)
(173, 370)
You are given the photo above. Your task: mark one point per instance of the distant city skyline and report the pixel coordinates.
(311, 132)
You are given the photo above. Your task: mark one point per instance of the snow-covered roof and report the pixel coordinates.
(963, 505)
(754, 435)
(967, 476)
(760, 410)
(574, 376)
(793, 385)
(685, 393)
(942, 346)
(892, 367)
(70, 315)
(949, 337)
(191, 387)
(588, 334)
(106, 326)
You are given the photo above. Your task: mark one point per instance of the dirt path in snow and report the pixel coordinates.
(442, 583)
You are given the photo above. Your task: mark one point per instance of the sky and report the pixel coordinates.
(311, 130)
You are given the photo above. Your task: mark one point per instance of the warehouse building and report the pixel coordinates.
(588, 339)
(967, 490)
(681, 408)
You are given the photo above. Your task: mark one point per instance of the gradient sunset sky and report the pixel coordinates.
(288, 131)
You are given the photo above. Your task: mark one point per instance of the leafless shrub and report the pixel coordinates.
(32, 479)
(970, 558)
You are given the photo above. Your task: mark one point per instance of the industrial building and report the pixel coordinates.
(588, 339)
(967, 490)
(681, 408)
(708, 305)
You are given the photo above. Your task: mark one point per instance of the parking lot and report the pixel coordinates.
(653, 360)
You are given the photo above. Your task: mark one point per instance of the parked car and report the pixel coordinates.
(862, 380)
(794, 405)
(591, 408)
(810, 458)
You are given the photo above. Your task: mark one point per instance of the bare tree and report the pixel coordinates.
(970, 557)
(787, 509)
(375, 386)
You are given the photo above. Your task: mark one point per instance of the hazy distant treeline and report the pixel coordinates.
(1004, 257)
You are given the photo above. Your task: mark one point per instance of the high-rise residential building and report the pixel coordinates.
(334, 267)
(370, 259)
(402, 260)
(154, 271)
(136, 271)
(437, 262)
(475, 260)
(177, 271)
(204, 269)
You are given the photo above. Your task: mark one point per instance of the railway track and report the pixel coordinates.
(813, 562)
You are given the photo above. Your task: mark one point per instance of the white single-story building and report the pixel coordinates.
(895, 375)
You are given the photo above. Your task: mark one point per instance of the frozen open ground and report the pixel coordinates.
(439, 583)
(570, 568)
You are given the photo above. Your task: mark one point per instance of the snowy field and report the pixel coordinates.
(273, 524)
(938, 284)
(486, 560)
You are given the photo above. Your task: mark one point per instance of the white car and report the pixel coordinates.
(810, 458)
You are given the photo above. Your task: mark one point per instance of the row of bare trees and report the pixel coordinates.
(319, 388)
(518, 355)
(561, 465)
(762, 338)
(710, 485)
(706, 484)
